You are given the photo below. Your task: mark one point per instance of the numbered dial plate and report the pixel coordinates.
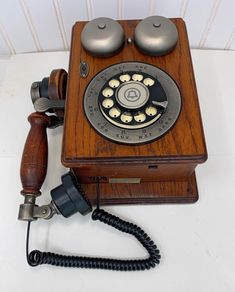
(132, 102)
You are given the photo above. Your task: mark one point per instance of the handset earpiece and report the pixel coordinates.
(102, 37)
(156, 36)
(48, 95)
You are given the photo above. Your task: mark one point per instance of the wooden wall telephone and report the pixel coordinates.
(132, 128)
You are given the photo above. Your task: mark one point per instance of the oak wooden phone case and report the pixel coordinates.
(132, 131)
(159, 171)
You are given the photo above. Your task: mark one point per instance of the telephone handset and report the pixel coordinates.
(125, 128)
(69, 197)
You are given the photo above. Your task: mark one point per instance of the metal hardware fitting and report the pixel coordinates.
(84, 69)
(29, 211)
(35, 91)
(44, 104)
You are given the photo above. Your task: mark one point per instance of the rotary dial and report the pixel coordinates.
(132, 102)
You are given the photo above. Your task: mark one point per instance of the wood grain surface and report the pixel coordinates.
(83, 145)
(35, 155)
(165, 166)
(184, 191)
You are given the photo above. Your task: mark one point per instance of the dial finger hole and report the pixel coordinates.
(126, 118)
(107, 92)
(114, 83)
(137, 77)
(149, 81)
(107, 103)
(151, 111)
(125, 78)
(140, 117)
(114, 112)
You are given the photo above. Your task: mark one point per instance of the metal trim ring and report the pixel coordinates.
(132, 136)
(35, 91)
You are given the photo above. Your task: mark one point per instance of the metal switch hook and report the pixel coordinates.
(44, 104)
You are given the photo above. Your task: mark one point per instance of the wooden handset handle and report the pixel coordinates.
(34, 159)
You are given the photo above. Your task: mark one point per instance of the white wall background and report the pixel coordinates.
(45, 25)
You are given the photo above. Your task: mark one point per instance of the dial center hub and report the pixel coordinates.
(132, 95)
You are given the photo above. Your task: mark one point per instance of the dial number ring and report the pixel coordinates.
(164, 118)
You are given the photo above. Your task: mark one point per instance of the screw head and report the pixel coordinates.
(157, 24)
(101, 25)
(44, 211)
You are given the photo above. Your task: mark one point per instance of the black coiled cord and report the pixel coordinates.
(37, 257)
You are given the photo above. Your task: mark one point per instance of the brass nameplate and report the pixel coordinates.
(124, 180)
